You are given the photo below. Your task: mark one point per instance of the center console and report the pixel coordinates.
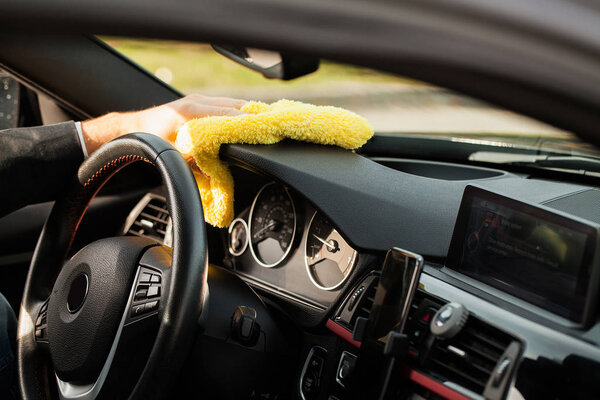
(518, 289)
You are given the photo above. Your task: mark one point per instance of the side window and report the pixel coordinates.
(22, 106)
(9, 101)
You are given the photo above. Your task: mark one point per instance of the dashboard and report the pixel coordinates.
(511, 261)
(284, 244)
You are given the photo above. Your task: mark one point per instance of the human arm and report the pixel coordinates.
(162, 121)
(37, 162)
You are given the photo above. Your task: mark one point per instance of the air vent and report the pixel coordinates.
(366, 303)
(150, 219)
(469, 358)
(359, 302)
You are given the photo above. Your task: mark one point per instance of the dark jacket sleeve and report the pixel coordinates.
(36, 163)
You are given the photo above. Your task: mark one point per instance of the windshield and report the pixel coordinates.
(392, 104)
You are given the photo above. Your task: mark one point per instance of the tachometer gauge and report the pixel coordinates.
(272, 225)
(238, 237)
(328, 257)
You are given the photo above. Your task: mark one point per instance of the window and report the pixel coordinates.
(393, 105)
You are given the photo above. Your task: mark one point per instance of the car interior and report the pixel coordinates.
(416, 267)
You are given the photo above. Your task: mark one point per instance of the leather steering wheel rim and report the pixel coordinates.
(187, 289)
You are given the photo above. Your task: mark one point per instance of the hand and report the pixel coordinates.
(162, 121)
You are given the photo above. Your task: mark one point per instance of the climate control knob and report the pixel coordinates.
(449, 320)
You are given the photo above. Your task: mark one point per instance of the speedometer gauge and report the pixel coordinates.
(328, 257)
(272, 225)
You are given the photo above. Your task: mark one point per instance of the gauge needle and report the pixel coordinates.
(236, 237)
(326, 243)
(269, 227)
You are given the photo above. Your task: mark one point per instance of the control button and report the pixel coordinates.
(309, 385)
(137, 310)
(155, 278)
(153, 291)
(44, 307)
(345, 368)
(145, 277)
(425, 318)
(316, 363)
(151, 306)
(310, 379)
(40, 333)
(141, 293)
(244, 326)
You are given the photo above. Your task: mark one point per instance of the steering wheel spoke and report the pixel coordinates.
(145, 295)
(41, 324)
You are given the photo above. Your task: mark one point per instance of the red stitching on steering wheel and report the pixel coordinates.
(92, 186)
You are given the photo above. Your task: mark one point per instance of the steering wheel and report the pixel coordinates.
(81, 321)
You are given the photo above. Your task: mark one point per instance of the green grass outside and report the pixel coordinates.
(196, 66)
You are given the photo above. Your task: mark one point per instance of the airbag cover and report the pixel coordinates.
(80, 337)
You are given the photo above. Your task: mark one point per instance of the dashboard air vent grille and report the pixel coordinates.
(366, 303)
(469, 358)
(358, 303)
(150, 218)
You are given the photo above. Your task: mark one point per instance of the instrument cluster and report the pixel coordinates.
(283, 242)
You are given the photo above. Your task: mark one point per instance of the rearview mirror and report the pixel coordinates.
(271, 64)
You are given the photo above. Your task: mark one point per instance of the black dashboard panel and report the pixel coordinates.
(378, 207)
(410, 211)
(412, 205)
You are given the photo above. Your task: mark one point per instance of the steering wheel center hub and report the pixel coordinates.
(87, 305)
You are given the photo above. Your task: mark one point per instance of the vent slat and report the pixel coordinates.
(157, 208)
(484, 338)
(472, 349)
(152, 221)
(470, 376)
(152, 217)
(470, 361)
(480, 384)
(144, 234)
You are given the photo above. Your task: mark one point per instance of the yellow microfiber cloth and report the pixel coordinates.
(262, 124)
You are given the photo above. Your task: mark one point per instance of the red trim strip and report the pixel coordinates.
(417, 377)
(433, 385)
(341, 332)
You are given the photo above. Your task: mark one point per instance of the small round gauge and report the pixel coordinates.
(238, 237)
(272, 225)
(328, 257)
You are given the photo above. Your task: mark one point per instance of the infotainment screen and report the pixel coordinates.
(529, 252)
